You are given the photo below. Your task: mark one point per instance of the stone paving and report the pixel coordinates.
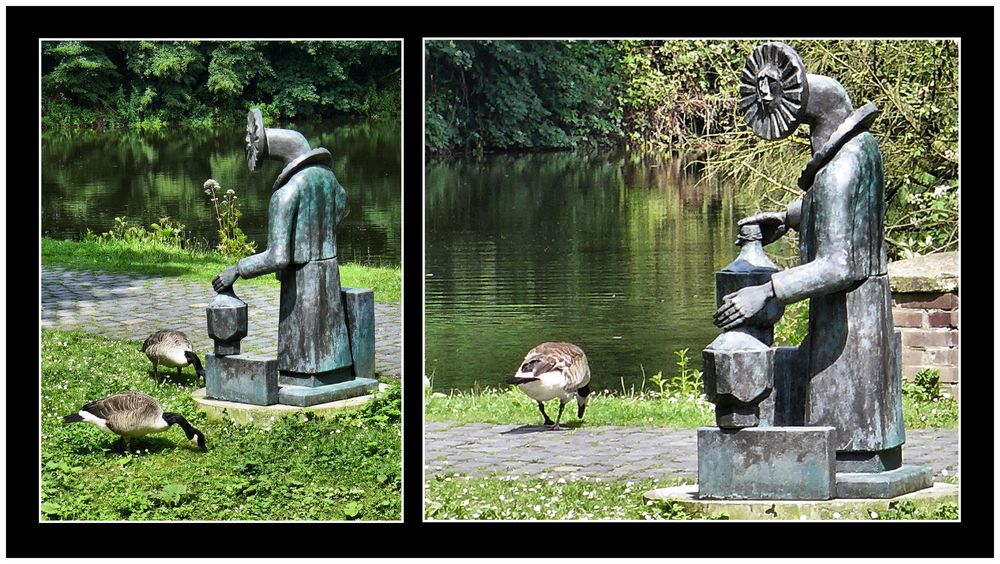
(612, 452)
(134, 306)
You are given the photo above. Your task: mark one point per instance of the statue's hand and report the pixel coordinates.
(742, 305)
(225, 279)
(772, 225)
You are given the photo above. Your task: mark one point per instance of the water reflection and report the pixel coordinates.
(89, 178)
(614, 252)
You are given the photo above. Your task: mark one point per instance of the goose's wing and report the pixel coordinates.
(181, 340)
(151, 340)
(564, 357)
(578, 372)
(169, 338)
(122, 402)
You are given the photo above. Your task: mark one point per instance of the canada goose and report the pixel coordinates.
(132, 415)
(555, 370)
(171, 348)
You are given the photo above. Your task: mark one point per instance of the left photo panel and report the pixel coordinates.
(220, 280)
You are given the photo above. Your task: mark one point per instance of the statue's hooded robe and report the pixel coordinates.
(307, 205)
(851, 355)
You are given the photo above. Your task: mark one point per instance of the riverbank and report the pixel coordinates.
(641, 408)
(162, 260)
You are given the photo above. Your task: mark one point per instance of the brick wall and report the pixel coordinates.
(926, 311)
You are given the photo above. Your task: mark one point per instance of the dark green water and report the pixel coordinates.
(612, 252)
(89, 178)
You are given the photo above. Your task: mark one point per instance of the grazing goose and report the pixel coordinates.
(132, 415)
(171, 348)
(555, 370)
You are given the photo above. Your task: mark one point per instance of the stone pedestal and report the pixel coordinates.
(243, 378)
(767, 463)
(883, 485)
(359, 310)
(304, 396)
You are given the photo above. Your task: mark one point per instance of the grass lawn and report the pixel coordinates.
(510, 405)
(556, 497)
(548, 497)
(347, 468)
(163, 260)
(641, 408)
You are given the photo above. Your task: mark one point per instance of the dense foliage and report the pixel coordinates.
(154, 83)
(484, 95)
(683, 95)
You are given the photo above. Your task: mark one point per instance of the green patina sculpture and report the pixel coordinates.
(307, 205)
(845, 378)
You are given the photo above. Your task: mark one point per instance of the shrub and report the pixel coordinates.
(232, 241)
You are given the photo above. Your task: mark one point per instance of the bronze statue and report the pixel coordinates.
(307, 205)
(843, 383)
(326, 334)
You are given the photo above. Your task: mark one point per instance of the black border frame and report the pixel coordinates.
(413, 537)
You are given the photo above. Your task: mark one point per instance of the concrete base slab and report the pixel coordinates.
(892, 483)
(775, 463)
(304, 396)
(265, 416)
(244, 378)
(831, 509)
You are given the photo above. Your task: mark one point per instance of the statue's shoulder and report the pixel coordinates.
(861, 148)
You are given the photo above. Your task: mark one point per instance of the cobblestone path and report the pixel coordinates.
(613, 452)
(134, 306)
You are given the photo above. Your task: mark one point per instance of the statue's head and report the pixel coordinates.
(774, 90)
(256, 140)
(263, 143)
(776, 93)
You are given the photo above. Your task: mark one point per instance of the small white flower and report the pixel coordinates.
(537, 508)
(944, 472)
(836, 515)
(873, 515)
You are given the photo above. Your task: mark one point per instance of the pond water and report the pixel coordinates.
(614, 252)
(89, 178)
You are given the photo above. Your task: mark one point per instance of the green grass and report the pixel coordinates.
(641, 408)
(163, 260)
(513, 406)
(549, 497)
(302, 468)
(556, 497)
(938, 413)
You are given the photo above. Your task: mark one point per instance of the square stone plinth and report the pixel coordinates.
(243, 378)
(303, 396)
(883, 485)
(359, 312)
(768, 463)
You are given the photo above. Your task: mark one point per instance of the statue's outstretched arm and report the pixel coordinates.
(278, 254)
(279, 245)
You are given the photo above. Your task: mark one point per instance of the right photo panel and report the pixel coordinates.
(691, 279)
